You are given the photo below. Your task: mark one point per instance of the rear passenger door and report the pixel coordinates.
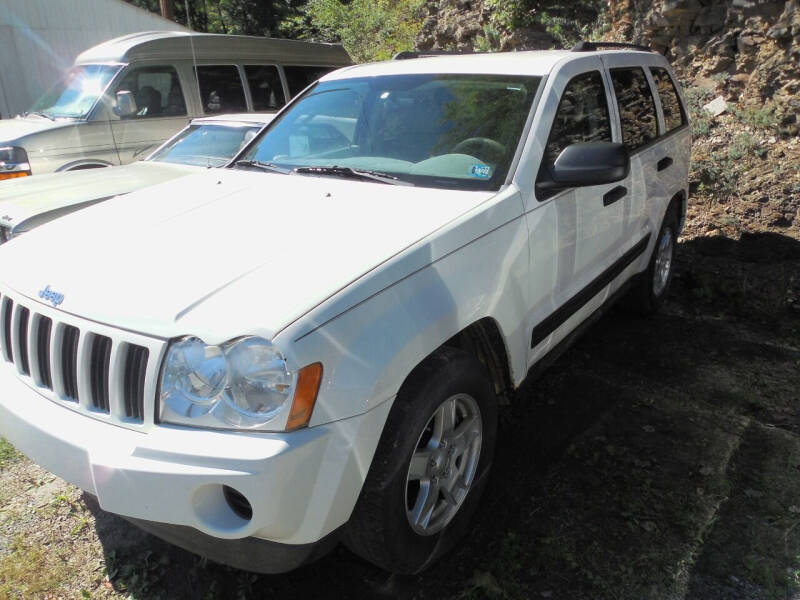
(674, 147)
(635, 106)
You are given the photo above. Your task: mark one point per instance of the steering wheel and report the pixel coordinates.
(485, 148)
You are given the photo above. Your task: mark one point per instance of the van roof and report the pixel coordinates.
(183, 45)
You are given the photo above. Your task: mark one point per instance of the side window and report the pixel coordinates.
(221, 89)
(265, 87)
(637, 109)
(157, 91)
(298, 78)
(673, 111)
(582, 115)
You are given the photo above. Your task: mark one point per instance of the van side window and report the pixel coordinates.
(637, 109)
(670, 105)
(157, 91)
(582, 115)
(265, 87)
(221, 89)
(300, 78)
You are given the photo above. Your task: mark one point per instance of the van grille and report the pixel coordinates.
(92, 368)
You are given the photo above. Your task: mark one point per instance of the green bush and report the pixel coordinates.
(760, 118)
(368, 29)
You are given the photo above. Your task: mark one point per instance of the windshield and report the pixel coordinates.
(75, 95)
(452, 131)
(205, 145)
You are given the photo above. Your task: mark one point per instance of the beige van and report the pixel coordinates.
(126, 96)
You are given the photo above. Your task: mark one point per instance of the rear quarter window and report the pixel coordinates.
(265, 87)
(637, 109)
(674, 116)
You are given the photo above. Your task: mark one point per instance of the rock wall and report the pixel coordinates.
(748, 49)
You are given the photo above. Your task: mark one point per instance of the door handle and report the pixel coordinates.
(615, 194)
(664, 163)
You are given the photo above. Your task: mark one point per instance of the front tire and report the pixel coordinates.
(430, 467)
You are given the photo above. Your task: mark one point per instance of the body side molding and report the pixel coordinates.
(549, 324)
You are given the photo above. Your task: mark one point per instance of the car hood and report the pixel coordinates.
(30, 201)
(13, 129)
(223, 252)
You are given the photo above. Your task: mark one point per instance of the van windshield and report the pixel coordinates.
(75, 95)
(431, 130)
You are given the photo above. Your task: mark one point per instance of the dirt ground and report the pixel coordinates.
(658, 458)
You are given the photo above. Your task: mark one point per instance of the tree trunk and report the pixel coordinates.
(168, 9)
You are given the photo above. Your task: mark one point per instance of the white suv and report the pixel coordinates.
(308, 346)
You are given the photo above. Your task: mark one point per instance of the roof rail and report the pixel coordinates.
(585, 46)
(406, 54)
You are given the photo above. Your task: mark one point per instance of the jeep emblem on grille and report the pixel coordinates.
(51, 296)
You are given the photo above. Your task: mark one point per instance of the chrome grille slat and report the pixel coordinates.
(106, 373)
(82, 369)
(56, 372)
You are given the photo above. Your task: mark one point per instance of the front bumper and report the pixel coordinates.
(302, 485)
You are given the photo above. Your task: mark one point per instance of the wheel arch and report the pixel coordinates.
(484, 340)
(679, 203)
(79, 165)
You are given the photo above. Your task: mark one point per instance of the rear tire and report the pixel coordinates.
(430, 467)
(651, 289)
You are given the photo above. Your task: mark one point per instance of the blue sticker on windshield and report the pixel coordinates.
(481, 171)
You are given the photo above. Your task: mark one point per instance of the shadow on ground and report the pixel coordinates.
(656, 458)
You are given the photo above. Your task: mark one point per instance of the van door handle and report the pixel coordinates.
(615, 194)
(664, 163)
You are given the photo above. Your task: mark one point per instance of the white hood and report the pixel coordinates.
(223, 252)
(29, 201)
(11, 130)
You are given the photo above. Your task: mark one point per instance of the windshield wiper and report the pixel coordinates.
(41, 114)
(352, 173)
(264, 166)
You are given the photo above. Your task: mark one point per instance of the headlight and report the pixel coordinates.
(14, 163)
(244, 383)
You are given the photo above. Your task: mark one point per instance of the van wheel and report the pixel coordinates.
(652, 288)
(430, 467)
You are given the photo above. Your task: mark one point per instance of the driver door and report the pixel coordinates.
(575, 233)
(160, 110)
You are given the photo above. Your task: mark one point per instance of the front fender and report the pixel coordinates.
(369, 340)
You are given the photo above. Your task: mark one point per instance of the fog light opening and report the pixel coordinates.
(238, 503)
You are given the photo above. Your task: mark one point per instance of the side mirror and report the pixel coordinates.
(587, 163)
(126, 104)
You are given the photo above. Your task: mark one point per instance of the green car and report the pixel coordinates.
(206, 142)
